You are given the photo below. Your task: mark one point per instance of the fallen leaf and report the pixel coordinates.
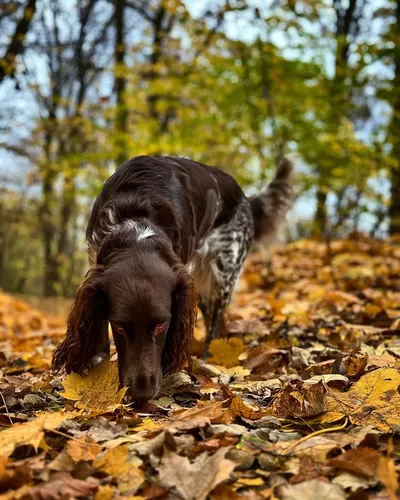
(60, 485)
(387, 475)
(362, 461)
(299, 400)
(114, 461)
(30, 433)
(200, 416)
(104, 493)
(83, 449)
(98, 390)
(373, 400)
(250, 481)
(194, 481)
(313, 489)
(241, 409)
(226, 352)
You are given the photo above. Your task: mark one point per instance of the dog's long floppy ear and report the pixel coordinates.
(87, 327)
(181, 329)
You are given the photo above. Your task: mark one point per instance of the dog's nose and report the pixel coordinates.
(143, 388)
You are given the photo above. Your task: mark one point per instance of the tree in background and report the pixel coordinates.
(236, 83)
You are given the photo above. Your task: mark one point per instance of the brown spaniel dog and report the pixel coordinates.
(163, 231)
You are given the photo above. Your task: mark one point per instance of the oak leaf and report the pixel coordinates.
(98, 390)
(194, 481)
(30, 433)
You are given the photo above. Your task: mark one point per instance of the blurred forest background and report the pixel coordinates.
(87, 84)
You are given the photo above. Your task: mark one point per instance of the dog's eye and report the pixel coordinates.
(161, 328)
(118, 328)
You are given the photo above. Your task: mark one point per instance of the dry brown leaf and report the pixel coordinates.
(362, 461)
(199, 416)
(299, 400)
(313, 489)
(226, 352)
(241, 409)
(60, 485)
(98, 390)
(194, 481)
(30, 433)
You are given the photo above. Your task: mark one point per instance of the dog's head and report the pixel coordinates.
(149, 300)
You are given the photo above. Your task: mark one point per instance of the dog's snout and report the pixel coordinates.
(144, 387)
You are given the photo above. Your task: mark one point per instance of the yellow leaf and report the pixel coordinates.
(98, 390)
(248, 481)
(372, 400)
(104, 493)
(131, 480)
(387, 475)
(226, 352)
(30, 433)
(83, 449)
(114, 461)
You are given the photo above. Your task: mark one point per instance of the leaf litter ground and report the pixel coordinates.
(301, 400)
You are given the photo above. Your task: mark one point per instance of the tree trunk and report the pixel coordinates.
(121, 116)
(51, 274)
(394, 211)
(16, 46)
(320, 217)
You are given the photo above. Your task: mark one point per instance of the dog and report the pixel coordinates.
(163, 235)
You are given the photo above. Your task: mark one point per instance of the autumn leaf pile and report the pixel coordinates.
(300, 401)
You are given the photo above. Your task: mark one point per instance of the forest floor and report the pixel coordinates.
(300, 402)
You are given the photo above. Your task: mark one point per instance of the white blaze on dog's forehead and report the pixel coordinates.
(144, 232)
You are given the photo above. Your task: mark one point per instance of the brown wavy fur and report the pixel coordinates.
(87, 333)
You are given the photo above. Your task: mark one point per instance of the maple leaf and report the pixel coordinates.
(226, 352)
(98, 390)
(372, 400)
(194, 481)
(30, 433)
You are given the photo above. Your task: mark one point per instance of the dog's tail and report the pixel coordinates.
(271, 206)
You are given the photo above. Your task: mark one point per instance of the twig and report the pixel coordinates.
(5, 406)
(316, 433)
(64, 434)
